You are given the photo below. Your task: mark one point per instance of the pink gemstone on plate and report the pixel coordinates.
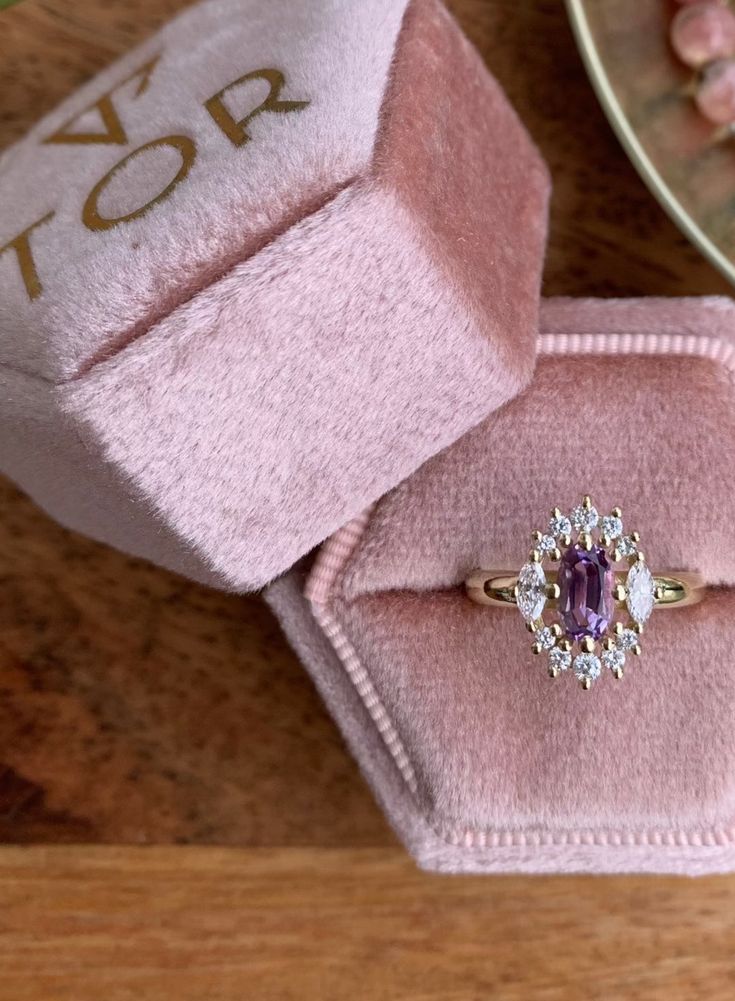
(715, 95)
(586, 603)
(703, 32)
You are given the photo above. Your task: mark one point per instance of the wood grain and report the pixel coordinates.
(289, 925)
(136, 706)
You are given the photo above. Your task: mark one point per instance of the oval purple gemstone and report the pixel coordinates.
(586, 604)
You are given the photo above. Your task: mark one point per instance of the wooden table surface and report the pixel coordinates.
(139, 709)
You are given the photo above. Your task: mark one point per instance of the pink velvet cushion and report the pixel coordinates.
(485, 763)
(250, 274)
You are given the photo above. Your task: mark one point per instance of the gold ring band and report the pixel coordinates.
(672, 589)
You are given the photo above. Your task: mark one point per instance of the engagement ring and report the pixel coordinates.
(577, 611)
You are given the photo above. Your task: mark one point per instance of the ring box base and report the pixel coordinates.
(481, 761)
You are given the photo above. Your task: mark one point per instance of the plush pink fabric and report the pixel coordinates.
(305, 319)
(483, 763)
(102, 289)
(617, 428)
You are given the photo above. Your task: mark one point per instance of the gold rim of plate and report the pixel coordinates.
(595, 64)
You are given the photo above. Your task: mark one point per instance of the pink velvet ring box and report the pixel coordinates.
(481, 761)
(257, 272)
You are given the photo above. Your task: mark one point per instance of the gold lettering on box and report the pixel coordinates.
(90, 213)
(236, 131)
(114, 133)
(21, 244)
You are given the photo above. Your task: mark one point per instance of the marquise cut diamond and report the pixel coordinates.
(531, 591)
(640, 592)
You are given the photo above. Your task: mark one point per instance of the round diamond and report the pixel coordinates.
(546, 638)
(627, 547)
(587, 666)
(613, 659)
(628, 639)
(640, 591)
(560, 525)
(584, 518)
(560, 660)
(531, 591)
(611, 526)
(546, 544)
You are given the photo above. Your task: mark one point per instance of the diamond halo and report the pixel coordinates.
(584, 632)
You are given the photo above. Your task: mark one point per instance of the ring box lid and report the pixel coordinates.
(257, 272)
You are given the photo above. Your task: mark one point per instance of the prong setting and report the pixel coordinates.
(585, 638)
